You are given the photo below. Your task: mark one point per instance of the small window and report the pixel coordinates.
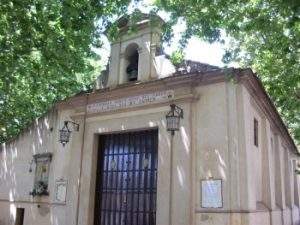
(42, 162)
(272, 144)
(20, 216)
(255, 132)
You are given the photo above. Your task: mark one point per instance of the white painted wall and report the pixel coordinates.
(16, 182)
(215, 141)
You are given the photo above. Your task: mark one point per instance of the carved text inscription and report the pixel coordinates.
(132, 101)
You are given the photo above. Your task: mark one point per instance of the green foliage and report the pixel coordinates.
(45, 48)
(265, 36)
(46, 55)
(177, 57)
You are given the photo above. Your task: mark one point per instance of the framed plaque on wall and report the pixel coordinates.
(60, 190)
(211, 193)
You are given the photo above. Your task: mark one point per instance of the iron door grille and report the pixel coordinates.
(126, 179)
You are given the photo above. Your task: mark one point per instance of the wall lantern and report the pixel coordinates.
(65, 132)
(173, 118)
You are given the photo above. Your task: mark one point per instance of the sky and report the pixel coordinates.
(196, 49)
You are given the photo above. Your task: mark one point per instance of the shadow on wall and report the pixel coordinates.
(213, 164)
(16, 182)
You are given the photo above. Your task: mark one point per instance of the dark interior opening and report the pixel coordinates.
(132, 68)
(20, 216)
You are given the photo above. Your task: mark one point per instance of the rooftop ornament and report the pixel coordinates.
(65, 132)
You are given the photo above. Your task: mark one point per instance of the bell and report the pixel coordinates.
(132, 71)
(132, 76)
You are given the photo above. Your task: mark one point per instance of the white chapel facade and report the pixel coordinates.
(115, 156)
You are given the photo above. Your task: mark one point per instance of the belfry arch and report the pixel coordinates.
(135, 52)
(131, 57)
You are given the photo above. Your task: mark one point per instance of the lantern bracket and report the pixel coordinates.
(177, 110)
(65, 131)
(75, 125)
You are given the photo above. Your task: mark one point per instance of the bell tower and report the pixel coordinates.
(133, 52)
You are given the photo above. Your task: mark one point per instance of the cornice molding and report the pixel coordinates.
(128, 89)
(243, 76)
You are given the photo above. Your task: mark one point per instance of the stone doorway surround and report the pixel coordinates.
(126, 178)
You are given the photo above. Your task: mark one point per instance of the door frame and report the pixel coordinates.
(97, 158)
(94, 163)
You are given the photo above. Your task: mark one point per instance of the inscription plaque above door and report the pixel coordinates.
(132, 101)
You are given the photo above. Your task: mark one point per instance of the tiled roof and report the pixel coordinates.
(189, 66)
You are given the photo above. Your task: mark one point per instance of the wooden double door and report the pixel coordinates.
(127, 179)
